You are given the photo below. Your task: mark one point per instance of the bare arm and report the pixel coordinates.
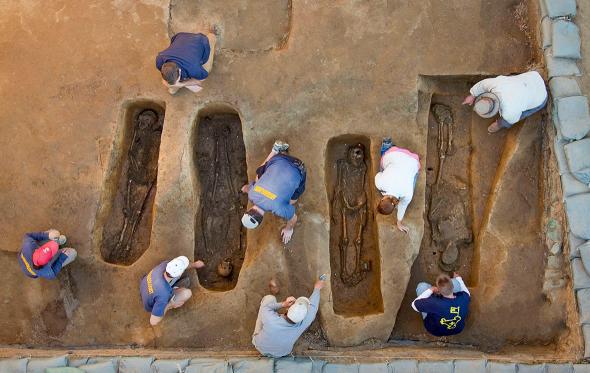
(291, 223)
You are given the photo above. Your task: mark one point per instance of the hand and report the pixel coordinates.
(469, 100)
(402, 227)
(434, 290)
(288, 302)
(319, 284)
(198, 264)
(245, 188)
(53, 234)
(286, 234)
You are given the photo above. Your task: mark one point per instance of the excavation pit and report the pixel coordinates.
(301, 71)
(483, 218)
(354, 250)
(220, 162)
(127, 229)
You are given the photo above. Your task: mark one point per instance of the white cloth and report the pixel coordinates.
(397, 178)
(517, 93)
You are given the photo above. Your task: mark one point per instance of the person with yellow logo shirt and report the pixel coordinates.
(444, 307)
(280, 181)
(163, 288)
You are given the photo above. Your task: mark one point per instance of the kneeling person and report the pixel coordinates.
(275, 334)
(513, 97)
(163, 288)
(280, 181)
(444, 307)
(187, 61)
(396, 180)
(38, 258)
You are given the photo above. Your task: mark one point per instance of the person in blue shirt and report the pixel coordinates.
(280, 181)
(163, 288)
(276, 333)
(187, 61)
(444, 307)
(40, 255)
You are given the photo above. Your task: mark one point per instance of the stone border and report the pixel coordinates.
(265, 365)
(560, 41)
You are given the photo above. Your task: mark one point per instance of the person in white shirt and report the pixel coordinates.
(396, 180)
(514, 97)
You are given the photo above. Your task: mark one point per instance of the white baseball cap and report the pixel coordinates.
(176, 266)
(251, 219)
(298, 310)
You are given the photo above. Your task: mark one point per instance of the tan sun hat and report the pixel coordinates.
(487, 105)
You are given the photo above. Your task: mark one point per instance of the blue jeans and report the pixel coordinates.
(525, 114)
(385, 146)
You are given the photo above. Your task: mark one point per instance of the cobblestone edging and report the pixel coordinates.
(561, 45)
(265, 365)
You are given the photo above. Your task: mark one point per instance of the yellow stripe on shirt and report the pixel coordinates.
(268, 194)
(27, 265)
(150, 286)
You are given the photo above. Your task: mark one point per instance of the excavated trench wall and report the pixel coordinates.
(125, 218)
(220, 166)
(483, 220)
(354, 247)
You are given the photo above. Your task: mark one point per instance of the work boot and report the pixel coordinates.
(72, 254)
(61, 239)
(280, 146)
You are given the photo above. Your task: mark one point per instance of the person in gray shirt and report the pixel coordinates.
(275, 334)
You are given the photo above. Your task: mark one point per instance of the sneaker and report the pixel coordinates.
(280, 146)
(386, 144)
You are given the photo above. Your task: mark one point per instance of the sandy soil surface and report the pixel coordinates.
(308, 72)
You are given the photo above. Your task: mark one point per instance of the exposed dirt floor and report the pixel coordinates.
(473, 181)
(220, 238)
(78, 75)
